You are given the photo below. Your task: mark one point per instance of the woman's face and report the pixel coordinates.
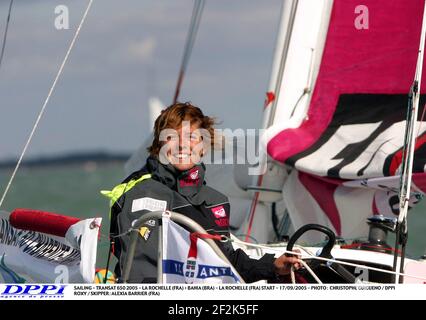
(183, 146)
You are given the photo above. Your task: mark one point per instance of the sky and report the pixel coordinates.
(127, 52)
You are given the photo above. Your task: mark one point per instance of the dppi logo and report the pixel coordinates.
(47, 290)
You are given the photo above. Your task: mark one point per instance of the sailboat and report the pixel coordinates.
(334, 116)
(334, 120)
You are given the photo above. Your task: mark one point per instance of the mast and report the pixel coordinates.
(408, 155)
(288, 15)
(189, 44)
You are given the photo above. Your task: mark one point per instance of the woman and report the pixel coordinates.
(173, 179)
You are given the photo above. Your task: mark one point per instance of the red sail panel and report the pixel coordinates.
(359, 69)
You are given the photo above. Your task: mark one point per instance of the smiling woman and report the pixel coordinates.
(182, 135)
(173, 179)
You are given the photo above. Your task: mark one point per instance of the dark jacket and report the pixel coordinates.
(185, 193)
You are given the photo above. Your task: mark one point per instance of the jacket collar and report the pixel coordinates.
(187, 183)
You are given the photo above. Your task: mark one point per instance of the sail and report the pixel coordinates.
(338, 117)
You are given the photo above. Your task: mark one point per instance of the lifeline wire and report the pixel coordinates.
(45, 103)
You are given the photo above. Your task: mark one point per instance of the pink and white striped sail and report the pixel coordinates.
(339, 109)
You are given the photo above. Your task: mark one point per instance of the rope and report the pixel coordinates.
(45, 103)
(307, 267)
(193, 28)
(5, 33)
(310, 256)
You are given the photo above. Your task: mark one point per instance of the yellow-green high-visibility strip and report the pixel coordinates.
(121, 189)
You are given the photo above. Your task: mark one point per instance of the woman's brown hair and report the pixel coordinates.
(172, 117)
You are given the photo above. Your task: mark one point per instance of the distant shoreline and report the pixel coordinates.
(78, 158)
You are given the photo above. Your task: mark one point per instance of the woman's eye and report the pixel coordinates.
(171, 138)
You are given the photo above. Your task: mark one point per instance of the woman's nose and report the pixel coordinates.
(184, 143)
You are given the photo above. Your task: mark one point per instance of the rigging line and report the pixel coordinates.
(196, 18)
(189, 43)
(308, 88)
(5, 32)
(307, 267)
(45, 102)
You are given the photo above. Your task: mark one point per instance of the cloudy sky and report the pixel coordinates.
(128, 51)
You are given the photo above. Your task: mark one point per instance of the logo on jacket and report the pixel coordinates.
(192, 178)
(219, 212)
(145, 233)
(194, 175)
(220, 215)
